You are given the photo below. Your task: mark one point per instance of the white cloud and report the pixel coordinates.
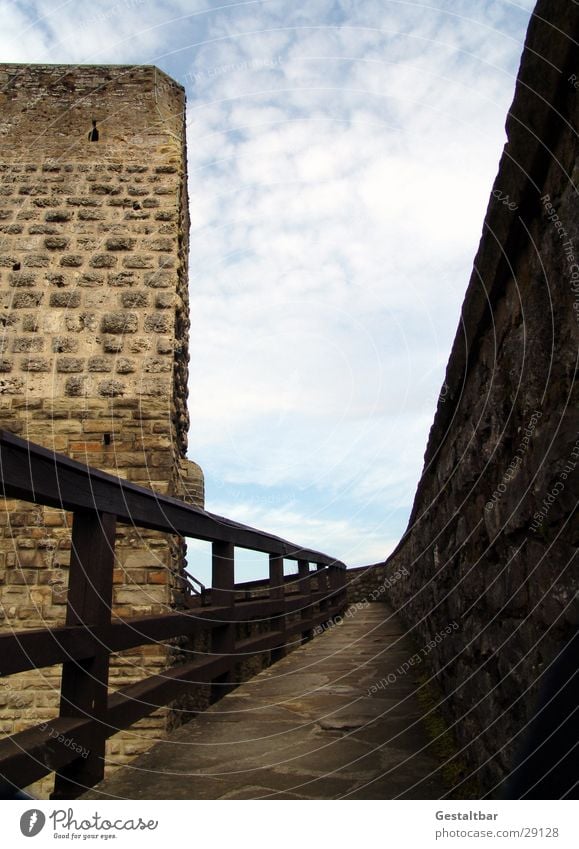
(20, 39)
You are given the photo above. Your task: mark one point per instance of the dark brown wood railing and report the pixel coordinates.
(89, 713)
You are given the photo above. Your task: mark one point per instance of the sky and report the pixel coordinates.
(341, 154)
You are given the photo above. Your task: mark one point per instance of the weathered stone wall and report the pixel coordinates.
(93, 338)
(367, 583)
(490, 540)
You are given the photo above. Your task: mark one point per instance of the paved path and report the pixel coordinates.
(306, 728)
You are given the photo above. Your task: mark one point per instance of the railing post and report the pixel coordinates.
(84, 688)
(277, 592)
(342, 586)
(305, 585)
(334, 584)
(323, 586)
(223, 595)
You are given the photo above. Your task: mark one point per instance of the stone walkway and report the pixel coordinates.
(310, 727)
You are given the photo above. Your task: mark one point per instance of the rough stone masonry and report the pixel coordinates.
(491, 542)
(93, 340)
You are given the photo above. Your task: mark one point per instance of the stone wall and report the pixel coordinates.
(93, 339)
(367, 583)
(490, 540)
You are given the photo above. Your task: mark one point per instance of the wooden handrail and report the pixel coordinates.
(89, 713)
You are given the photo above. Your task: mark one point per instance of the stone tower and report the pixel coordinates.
(93, 335)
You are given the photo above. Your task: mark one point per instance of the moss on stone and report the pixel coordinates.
(458, 781)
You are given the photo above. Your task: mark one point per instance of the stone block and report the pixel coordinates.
(36, 261)
(75, 387)
(139, 344)
(58, 280)
(34, 364)
(125, 365)
(103, 261)
(136, 214)
(60, 215)
(158, 323)
(167, 261)
(24, 344)
(71, 261)
(105, 189)
(8, 261)
(134, 299)
(101, 426)
(113, 344)
(120, 322)
(120, 202)
(27, 300)
(120, 243)
(90, 280)
(156, 365)
(154, 389)
(11, 386)
(30, 322)
(21, 280)
(160, 279)
(165, 345)
(163, 244)
(67, 299)
(69, 364)
(83, 201)
(138, 261)
(100, 364)
(141, 595)
(42, 230)
(85, 447)
(56, 243)
(88, 244)
(111, 388)
(91, 215)
(6, 319)
(123, 278)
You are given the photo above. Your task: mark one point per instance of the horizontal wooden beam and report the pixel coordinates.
(263, 583)
(30, 755)
(41, 647)
(304, 625)
(259, 643)
(136, 701)
(37, 648)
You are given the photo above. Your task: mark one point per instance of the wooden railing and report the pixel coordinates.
(89, 713)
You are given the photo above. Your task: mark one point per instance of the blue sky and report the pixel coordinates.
(341, 156)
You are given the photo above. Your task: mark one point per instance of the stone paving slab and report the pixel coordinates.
(308, 727)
